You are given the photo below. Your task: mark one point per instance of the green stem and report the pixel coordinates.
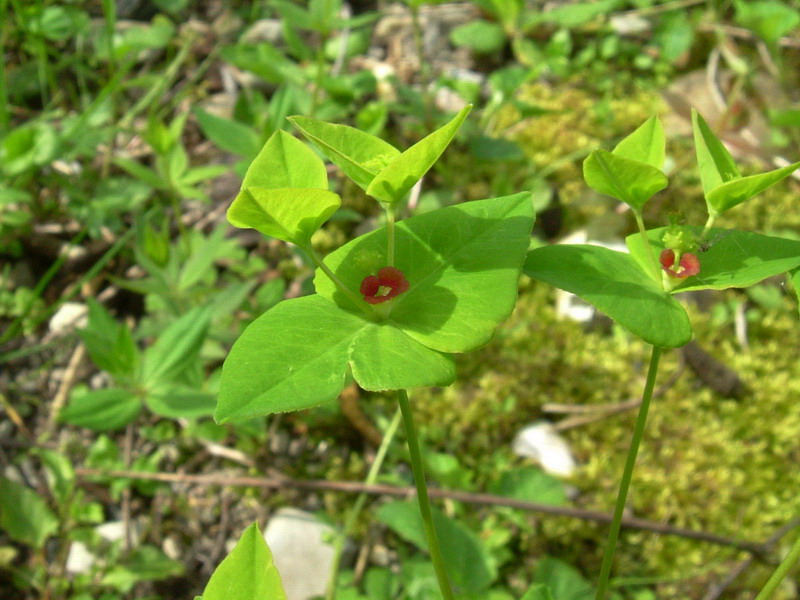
(708, 225)
(308, 249)
(390, 236)
(643, 231)
(781, 572)
(422, 496)
(5, 118)
(627, 475)
(352, 516)
(315, 97)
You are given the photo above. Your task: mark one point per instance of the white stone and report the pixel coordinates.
(541, 442)
(79, 559)
(303, 552)
(68, 317)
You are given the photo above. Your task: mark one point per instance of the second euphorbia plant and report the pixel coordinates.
(391, 306)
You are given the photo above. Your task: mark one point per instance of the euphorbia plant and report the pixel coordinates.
(390, 306)
(636, 289)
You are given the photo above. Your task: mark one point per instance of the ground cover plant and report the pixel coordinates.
(168, 380)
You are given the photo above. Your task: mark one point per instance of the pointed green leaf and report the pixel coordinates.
(736, 191)
(286, 162)
(713, 159)
(646, 144)
(359, 155)
(292, 357)
(102, 410)
(231, 136)
(109, 343)
(734, 259)
(400, 175)
(630, 181)
(462, 264)
(467, 560)
(178, 401)
(563, 580)
(24, 515)
(289, 214)
(177, 347)
(615, 284)
(247, 572)
(385, 358)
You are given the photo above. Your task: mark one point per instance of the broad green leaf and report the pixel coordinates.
(615, 284)
(292, 357)
(102, 410)
(538, 591)
(24, 515)
(564, 581)
(531, 484)
(231, 136)
(247, 572)
(385, 358)
(630, 181)
(769, 19)
(462, 264)
(109, 343)
(359, 155)
(176, 348)
(646, 144)
(483, 37)
(285, 162)
(400, 175)
(467, 560)
(713, 159)
(177, 401)
(795, 278)
(734, 259)
(729, 194)
(289, 214)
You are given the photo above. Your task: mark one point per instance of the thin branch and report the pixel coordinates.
(356, 487)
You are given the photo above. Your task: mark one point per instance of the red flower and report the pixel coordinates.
(688, 267)
(387, 284)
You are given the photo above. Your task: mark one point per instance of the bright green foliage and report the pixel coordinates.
(563, 580)
(285, 192)
(296, 355)
(466, 558)
(24, 514)
(538, 592)
(146, 563)
(733, 259)
(462, 263)
(110, 344)
(630, 181)
(247, 572)
(359, 155)
(403, 172)
(646, 144)
(723, 185)
(531, 484)
(102, 410)
(618, 286)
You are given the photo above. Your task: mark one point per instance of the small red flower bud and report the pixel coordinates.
(389, 283)
(690, 265)
(667, 258)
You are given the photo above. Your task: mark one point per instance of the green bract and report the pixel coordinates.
(723, 185)
(632, 172)
(378, 167)
(462, 263)
(285, 192)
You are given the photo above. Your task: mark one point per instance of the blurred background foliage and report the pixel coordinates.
(125, 128)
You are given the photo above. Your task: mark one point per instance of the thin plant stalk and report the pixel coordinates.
(390, 236)
(708, 225)
(422, 497)
(5, 118)
(780, 573)
(308, 249)
(627, 475)
(355, 510)
(651, 255)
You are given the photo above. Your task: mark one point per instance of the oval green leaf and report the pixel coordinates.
(630, 181)
(102, 410)
(400, 175)
(24, 515)
(462, 264)
(359, 155)
(615, 284)
(247, 572)
(289, 214)
(734, 259)
(286, 162)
